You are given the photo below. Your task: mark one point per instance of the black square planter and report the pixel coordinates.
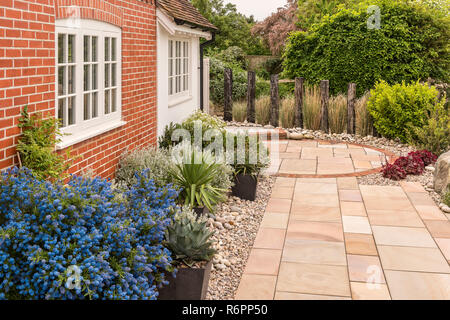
(189, 284)
(245, 187)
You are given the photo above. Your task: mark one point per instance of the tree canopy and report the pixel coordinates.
(234, 27)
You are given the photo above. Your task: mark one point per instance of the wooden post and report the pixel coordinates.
(324, 97)
(274, 100)
(351, 113)
(228, 96)
(251, 96)
(299, 94)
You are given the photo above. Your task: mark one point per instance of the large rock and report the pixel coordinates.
(442, 173)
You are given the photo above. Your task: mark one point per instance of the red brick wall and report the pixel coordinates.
(27, 74)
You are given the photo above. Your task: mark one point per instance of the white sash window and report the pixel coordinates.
(179, 67)
(88, 83)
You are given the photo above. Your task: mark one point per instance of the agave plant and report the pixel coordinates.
(188, 237)
(195, 172)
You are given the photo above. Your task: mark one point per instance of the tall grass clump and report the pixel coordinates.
(263, 110)
(287, 112)
(311, 108)
(239, 111)
(362, 116)
(337, 113)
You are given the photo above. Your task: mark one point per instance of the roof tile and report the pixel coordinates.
(185, 11)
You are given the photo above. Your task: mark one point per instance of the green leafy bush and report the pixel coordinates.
(412, 44)
(158, 163)
(188, 238)
(216, 85)
(37, 147)
(434, 135)
(165, 140)
(397, 107)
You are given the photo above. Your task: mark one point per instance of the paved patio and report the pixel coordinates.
(330, 238)
(311, 158)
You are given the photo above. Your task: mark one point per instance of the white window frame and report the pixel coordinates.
(85, 129)
(183, 94)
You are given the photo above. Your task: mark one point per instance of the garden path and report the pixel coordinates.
(331, 238)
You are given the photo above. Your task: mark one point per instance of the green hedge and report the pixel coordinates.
(411, 44)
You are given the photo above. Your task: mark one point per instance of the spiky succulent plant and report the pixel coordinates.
(188, 237)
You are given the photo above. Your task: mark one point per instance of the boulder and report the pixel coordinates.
(296, 136)
(442, 173)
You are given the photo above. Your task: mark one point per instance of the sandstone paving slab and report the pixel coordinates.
(402, 236)
(413, 259)
(256, 287)
(313, 279)
(314, 252)
(405, 285)
(364, 291)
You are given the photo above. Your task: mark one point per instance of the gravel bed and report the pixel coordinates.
(236, 223)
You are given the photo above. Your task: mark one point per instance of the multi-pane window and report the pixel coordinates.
(110, 75)
(88, 75)
(178, 67)
(66, 79)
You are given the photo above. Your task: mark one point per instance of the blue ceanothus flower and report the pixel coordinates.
(82, 240)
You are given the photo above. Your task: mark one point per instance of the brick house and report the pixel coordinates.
(93, 64)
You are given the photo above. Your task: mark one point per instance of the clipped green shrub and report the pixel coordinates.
(394, 108)
(411, 44)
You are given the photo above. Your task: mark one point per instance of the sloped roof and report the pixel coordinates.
(183, 10)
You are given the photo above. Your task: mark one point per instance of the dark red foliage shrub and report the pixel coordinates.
(393, 172)
(412, 164)
(426, 156)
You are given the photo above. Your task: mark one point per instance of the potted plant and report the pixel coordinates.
(188, 238)
(195, 173)
(247, 169)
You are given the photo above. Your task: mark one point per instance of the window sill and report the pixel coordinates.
(176, 101)
(68, 141)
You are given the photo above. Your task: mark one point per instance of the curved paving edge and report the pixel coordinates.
(392, 158)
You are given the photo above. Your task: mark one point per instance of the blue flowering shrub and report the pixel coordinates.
(83, 240)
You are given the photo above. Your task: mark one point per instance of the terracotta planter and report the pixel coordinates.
(245, 187)
(189, 284)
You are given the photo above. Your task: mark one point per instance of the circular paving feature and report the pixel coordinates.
(324, 159)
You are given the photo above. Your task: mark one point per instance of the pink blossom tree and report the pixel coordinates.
(276, 28)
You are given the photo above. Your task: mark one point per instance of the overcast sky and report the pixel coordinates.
(259, 8)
